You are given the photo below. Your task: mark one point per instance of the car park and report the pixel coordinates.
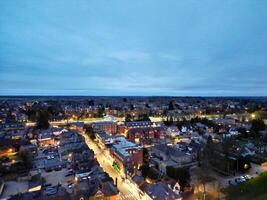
(50, 191)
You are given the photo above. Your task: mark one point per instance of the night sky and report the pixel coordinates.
(178, 48)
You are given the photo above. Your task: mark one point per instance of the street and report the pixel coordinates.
(127, 191)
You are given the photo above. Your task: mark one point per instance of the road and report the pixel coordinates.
(86, 121)
(127, 192)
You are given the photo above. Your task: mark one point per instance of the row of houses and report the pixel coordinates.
(139, 132)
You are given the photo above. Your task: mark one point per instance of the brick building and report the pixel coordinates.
(146, 135)
(127, 155)
(108, 127)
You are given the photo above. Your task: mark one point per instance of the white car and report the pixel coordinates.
(247, 177)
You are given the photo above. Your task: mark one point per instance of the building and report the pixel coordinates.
(172, 155)
(103, 139)
(124, 128)
(78, 126)
(138, 124)
(127, 155)
(28, 148)
(146, 135)
(160, 191)
(109, 127)
(99, 186)
(46, 140)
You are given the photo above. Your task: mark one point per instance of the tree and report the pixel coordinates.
(145, 154)
(203, 178)
(144, 170)
(257, 125)
(243, 132)
(169, 121)
(171, 106)
(227, 145)
(131, 107)
(42, 119)
(90, 102)
(181, 175)
(148, 172)
(128, 118)
(90, 132)
(26, 159)
(100, 112)
(143, 117)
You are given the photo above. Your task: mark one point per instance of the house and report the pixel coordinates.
(102, 138)
(146, 135)
(46, 140)
(49, 193)
(126, 154)
(95, 187)
(12, 126)
(172, 131)
(78, 126)
(161, 191)
(108, 126)
(172, 155)
(82, 161)
(28, 147)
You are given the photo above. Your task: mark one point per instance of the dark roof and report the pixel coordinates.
(27, 196)
(145, 129)
(138, 123)
(35, 181)
(92, 186)
(139, 180)
(168, 150)
(160, 191)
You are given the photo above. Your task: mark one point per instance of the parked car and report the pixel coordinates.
(247, 177)
(47, 184)
(68, 174)
(48, 169)
(58, 168)
(240, 180)
(70, 185)
(50, 191)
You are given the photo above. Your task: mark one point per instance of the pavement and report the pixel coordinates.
(127, 192)
(14, 187)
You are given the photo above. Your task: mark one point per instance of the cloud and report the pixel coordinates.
(133, 48)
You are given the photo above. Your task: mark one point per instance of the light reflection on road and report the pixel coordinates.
(105, 162)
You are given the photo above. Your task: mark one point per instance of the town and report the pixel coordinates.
(172, 148)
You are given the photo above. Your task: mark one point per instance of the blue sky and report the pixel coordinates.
(185, 47)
